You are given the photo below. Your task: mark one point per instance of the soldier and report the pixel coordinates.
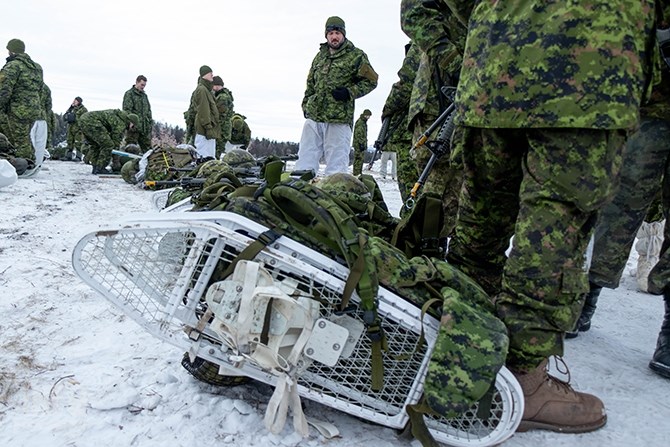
(22, 116)
(396, 109)
(224, 102)
(340, 73)
(440, 37)
(360, 141)
(645, 172)
(136, 101)
(543, 131)
(240, 136)
(104, 130)
(75, 139)
(205, 115)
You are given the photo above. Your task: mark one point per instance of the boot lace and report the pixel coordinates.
(561, 385)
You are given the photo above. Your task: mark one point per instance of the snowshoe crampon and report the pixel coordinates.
(274, 316)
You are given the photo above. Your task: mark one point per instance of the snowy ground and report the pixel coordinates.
(74, 371)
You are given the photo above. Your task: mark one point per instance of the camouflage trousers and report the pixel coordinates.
(142, 139)
(444, 180)
(544, 186)
(645, 166)
(18, 132)
(406, 167)
(100, 143)
(75, 139)
(359, 157)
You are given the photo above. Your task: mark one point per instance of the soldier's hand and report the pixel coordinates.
(341, 94)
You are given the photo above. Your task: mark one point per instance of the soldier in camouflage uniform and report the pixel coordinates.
(396, 109)
(340, 73)
(545, 103)
(136, 101)
(22, 116)
(49, 116)
(240, 135)
(104, 130)
(360, 141)
(224, 102)
(440, 37)
(75, 139)
(204, 115)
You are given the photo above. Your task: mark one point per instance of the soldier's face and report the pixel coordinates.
(335, 39)
(139, 85)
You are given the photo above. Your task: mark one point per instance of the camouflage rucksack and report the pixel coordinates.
(168, 163)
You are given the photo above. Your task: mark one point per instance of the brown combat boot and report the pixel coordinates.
(551, 404)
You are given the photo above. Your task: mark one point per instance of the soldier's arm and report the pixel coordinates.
(8, 77)
(461, 9)
(401, 92)
(309, 87)
(128, 102)
(364, 79)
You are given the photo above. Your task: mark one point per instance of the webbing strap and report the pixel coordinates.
(418, 424)
(250, 251)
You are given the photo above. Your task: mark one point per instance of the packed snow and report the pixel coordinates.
(75, 371)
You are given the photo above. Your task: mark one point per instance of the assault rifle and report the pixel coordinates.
(439, 147)
(381, 140)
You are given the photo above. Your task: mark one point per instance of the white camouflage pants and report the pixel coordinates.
(324, 140)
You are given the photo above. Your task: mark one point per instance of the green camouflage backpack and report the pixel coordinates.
(168, 164)
(472, 342)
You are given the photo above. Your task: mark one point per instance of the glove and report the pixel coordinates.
(208, 131)
(341, 94)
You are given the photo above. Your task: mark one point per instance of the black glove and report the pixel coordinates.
(341, 94)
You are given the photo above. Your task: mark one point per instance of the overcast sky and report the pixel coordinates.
(261, 48)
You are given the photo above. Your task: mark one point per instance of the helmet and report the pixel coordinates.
(343, 182)
(129, 169)
(239, 158)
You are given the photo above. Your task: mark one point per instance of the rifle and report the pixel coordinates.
(440, 147)
(184, 182)
(381, 140)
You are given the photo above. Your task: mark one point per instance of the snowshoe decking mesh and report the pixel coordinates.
(157, 269)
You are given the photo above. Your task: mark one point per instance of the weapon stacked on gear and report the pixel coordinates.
(439, 147)
(184, 182)
(381, 140)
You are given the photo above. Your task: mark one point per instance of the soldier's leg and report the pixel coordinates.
(336, 147)
(310, 149)
(567, 177)
(144, 140)
(406, 168)
(619, 220)
(358, 162)
(19, 134)
(489, 202)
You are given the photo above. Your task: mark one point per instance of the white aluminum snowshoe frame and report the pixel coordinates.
(158, 269)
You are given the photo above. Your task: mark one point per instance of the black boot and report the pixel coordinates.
(584, 321)
(660, 362)
(94, 169)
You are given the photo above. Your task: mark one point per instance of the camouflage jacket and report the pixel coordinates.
(440, 38)
(205, 113)
(114, 121)
(241, 133)
(360, 139)
(224, 102)
(397, 102)
(78, 112)
(21, 86)
(137, 102)
(553, 64)
(347, 67)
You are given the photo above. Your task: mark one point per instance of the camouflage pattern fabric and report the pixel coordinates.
(550, 153)
(203, 111)
(47, 106)
(360, 143)
(347, 67)
(645, 169)
(162, 160)
(75, 138)
(240, 131)
(137, 102)
(129, 169)
(440, 38)
(225, 104)
(545, 187)
(597, 57)
(396, 108)
(103, 130)
(472, 343)
(21, 101)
